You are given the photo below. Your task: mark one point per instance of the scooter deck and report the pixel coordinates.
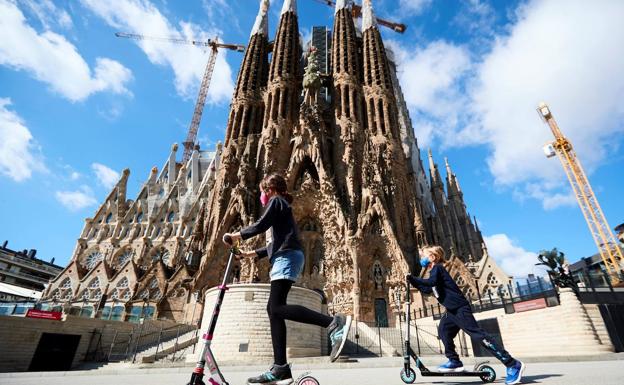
(430, 373)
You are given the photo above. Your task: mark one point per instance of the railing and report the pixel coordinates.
(532, 290)
(109, 345)
(596, 287)
(370, 339)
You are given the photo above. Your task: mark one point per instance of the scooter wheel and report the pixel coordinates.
(408, 376)
(308, 380)
(489, 374)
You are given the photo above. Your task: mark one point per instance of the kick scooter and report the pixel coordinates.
(216, 377)
(408, 375)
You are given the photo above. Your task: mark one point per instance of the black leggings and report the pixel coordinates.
(279, 311)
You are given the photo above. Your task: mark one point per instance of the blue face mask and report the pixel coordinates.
(424, 261)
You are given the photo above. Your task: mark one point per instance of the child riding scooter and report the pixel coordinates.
(458, 316)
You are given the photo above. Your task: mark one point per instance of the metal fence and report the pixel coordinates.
(529, 290)
(368, 339)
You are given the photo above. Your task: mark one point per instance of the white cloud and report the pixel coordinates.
(547, 194)
(78, 199)
(52, 59)
(429, 77)
(414, 7)
(187, 61)
(107, 177)
(48, 14)
(513, 259)
(19, 154)
(571, 57)
(568, 56)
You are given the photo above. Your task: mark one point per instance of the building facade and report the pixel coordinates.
(363, 201)
(23, 269)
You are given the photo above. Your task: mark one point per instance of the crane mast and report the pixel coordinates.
(608, 248)
(214, 46)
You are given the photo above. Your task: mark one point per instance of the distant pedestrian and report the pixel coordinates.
(286, 257)
(458, 316)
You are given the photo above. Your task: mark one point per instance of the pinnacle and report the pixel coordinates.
(340, 4)
(261, 26)
(289, 6)
(368, 16)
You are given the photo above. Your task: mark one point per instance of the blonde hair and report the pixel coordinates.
(435, 253)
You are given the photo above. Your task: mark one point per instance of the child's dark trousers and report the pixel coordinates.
(462, 319)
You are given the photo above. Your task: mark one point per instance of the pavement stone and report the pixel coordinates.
(556, 373)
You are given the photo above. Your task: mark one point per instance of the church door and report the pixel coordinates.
(381, 313)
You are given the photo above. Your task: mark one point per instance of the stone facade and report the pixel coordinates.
(363, 201)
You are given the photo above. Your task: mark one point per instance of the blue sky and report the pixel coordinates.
(78, 105)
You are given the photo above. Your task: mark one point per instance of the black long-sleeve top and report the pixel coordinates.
(448, 293)
(279, 220)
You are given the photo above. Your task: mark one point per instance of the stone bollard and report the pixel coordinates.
(243, 332)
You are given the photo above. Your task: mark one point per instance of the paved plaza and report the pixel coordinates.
(568, 373)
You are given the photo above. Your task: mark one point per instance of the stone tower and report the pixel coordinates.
(354, 198)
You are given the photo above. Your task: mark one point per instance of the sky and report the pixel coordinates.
(78, 105)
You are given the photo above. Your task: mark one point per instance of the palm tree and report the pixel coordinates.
(557, 266)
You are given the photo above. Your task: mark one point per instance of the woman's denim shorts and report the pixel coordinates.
(287, 264)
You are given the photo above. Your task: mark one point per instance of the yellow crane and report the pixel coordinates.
(598, 226)
(214, 45)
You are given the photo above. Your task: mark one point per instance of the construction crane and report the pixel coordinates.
(356, 11)
(214, 45)
(598, 226)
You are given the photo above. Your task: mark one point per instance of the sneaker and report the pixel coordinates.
(338, 332)
(277, 375)
(514, 373)
(451, 366)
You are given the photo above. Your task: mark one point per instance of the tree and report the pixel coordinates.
(558, 271)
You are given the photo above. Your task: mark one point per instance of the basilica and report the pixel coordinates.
(333, 120)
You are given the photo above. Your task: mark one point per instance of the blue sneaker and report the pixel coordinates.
(451, 366)
(338, 332)
(514, 373)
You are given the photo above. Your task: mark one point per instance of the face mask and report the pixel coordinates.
(264, 199)
(424, 262)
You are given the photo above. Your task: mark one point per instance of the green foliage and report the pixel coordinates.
(558, 271)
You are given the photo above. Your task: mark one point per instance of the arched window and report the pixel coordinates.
(161, 254)
(139, 216)
(95, 284)
(125, 257)
(66, 284)
(491, 280)
(109, 217)
(170, 216)
(123, 283)
(92, 259)
(153, 283)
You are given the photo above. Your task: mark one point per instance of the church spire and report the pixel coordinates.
(247, 109)
(368, 16)
(289, 6)
(262, 21)
(340, 4)
(433, 171)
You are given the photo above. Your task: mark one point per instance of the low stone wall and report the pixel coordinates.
(562, 330)
(19, 337)
(243, 332)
